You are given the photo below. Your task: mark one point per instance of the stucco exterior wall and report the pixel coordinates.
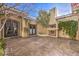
(73, 17)
(63, 34)
(24, 32)
(77, 37)
(52, 16)
(41, 30)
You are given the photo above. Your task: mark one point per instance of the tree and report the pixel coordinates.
(43, 18)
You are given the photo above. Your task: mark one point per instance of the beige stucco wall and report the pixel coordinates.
(74, 17)
(24, 32)
(63, 34)
(41, 30)
(52, 16)
(77, 37)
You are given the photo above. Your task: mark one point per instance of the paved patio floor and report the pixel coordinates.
(42, 46)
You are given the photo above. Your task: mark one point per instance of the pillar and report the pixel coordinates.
(78, 31)
(56, 30)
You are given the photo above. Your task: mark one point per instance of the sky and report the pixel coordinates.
(62, 8)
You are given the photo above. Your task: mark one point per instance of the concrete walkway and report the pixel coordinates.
(42, 46)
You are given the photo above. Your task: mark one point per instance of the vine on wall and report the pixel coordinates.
(70, 27)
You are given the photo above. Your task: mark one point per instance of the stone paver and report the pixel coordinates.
(42, 46)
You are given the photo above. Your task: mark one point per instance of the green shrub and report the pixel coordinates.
(1, 52)
(2, 46)
(2, 43)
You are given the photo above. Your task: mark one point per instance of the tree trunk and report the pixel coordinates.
(4, 22)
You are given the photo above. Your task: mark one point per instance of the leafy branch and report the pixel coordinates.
(43, 18)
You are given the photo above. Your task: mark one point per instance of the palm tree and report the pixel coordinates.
(43, 18)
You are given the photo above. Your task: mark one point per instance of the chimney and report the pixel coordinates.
(52, 16)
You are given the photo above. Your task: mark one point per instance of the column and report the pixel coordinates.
(56, 30)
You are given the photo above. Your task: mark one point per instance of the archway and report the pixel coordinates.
(11, 28)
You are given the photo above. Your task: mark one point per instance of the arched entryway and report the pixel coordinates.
(11, 28)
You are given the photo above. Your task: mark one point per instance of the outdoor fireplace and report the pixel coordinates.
(52, 32)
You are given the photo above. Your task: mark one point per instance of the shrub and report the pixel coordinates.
(2, 43)
(1, 52)
(2, 46)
